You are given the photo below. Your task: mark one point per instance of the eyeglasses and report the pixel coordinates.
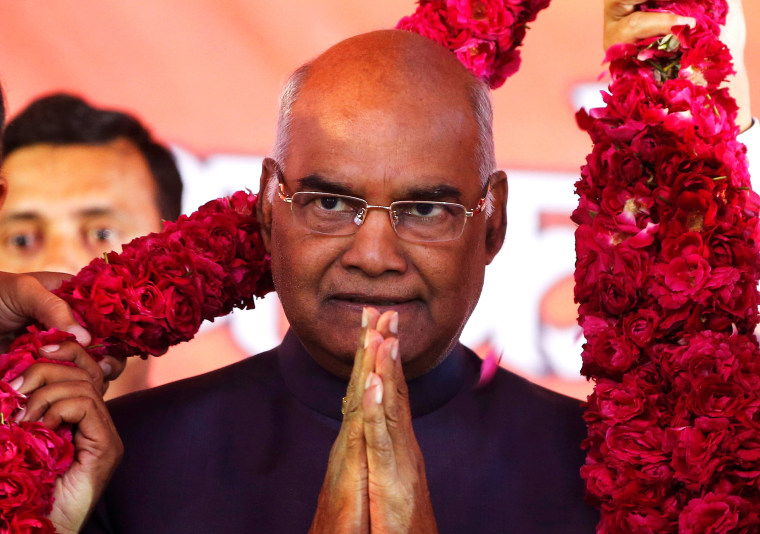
(420, 221)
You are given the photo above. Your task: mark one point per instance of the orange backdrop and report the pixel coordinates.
(206, 73)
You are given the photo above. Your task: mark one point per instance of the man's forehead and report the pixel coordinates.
(389, 64)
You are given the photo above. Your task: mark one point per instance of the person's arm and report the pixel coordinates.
(58, 394)
(623, 23)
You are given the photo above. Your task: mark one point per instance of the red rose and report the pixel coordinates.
(484, 18)
(717, 514)
(620, 401)
(428, 22)
(48, 450)
(640, 326)
(183, 316)
(29, 522)
(610, 352)
(20, 489)
(696, 455)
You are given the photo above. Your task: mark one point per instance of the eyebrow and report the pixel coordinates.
(30, 216)
(24, 216)
(435, 192)
(95, 212)
(315, 182)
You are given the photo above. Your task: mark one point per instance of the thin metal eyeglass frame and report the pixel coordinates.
(361, 216)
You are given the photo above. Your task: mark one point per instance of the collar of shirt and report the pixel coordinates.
(323, 392)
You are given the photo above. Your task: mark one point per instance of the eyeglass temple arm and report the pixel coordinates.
(481, 203)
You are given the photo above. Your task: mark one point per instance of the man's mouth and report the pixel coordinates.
(379, 301)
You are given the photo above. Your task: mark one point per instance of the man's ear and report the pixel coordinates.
(496, 223)
(264, 203)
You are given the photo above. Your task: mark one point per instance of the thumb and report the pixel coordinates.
(25, 298)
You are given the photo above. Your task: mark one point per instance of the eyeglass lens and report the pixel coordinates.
(331, 214)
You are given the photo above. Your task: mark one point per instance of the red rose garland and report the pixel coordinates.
(152, 295)
(666, 279)
(484, 34)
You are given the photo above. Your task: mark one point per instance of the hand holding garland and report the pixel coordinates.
(28, 298)
(624, 23)
(59, 396)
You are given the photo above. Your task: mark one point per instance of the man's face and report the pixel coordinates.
(69, 204)
(418, 152)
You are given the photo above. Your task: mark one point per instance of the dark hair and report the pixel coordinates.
(64, 119)
(2, 119)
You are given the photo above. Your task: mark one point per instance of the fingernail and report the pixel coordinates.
(365, 317)
(82, 336)
(106, 367)
(16, 383)
(378, 391)
(368, 382)
(367, 338)
(20, 415)
(394, 350)
(689, 21)
(393, 326)
(50, 348)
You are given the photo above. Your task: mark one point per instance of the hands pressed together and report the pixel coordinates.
(375, 479)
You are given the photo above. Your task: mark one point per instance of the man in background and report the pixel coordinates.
(81, 181)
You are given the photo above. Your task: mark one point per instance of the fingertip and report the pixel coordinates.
(82, 336)
(372, 316)
(16, 383)
(377, 385)
(373, 392)
(686, 21)
(106, 367)
(20, 415)
(373, 340)
(388, 323)
(387, 356)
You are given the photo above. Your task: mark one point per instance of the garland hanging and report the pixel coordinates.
(666, 279)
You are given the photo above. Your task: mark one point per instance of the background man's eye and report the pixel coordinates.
(22, 241)
(100, 235)
(104, 234)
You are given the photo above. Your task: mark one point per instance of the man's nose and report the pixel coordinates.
(64, 255)
(375, 248)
